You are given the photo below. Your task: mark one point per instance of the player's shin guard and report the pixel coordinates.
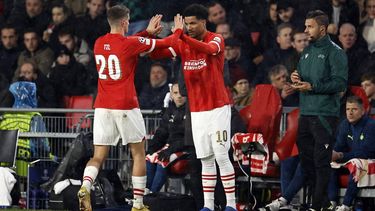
(208, 181)
(227, 178)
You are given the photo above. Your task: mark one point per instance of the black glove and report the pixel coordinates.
(164, 155)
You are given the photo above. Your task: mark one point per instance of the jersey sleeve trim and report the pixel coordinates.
(218, 47)
(173, 52)
(151, 49)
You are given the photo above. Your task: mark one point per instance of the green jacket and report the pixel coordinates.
(324, 65)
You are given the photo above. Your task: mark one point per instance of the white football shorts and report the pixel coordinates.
(211, 131)
(110, 125)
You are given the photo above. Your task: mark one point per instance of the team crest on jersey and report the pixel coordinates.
(195, 64)
(217, 39)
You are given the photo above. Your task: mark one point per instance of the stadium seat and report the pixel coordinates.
(287, 146)
(77, 102)
(358, 91)
(263, 115)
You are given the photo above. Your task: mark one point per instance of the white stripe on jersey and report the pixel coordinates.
(172, 51)
(213, 41)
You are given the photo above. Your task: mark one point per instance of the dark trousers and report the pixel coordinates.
(333, 188)
(315, 140)
(291, 177)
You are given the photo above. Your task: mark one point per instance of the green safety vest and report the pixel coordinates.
(20, 121)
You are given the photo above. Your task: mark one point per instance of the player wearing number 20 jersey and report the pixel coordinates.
(116, 59)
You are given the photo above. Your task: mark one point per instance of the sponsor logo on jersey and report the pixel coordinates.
(107, 47)
(195, 64)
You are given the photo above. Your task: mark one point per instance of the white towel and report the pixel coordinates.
(7, 182)
(60, 186)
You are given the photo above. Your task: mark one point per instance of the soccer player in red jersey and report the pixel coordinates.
(117, 114)
(202, 55)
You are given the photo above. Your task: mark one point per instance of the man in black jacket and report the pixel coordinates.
(168, 139)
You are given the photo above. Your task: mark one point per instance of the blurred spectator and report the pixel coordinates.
(236, 59)
(251, 12)
(81, 50)
(368, 28)
(171, 133)
(368, 84)
(278, 55)
(224, 30)
(6, 98)
(299, 42)
(355, 139)
(68, 76)
(37, 50)
(339, 12)
(218, 15)
(94, 23)
(363, 16)
(355, 50)
(250, 53)
(286, 13)
(278, 77)
(242, 92)
(153, 93)
(45, 92)
(9, 51)
(61, 18)
(33, 16)
(268, 30)
(78, 7)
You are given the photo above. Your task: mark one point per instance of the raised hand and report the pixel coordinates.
(178, 23)
(154, 26)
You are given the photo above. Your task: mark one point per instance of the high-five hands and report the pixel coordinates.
(154, 26)
(178, 23)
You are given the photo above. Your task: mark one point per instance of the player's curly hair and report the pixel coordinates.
(197, 10)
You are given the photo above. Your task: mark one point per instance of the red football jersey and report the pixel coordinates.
(116, 59)
(203, 68)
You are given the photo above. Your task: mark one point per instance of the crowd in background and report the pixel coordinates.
(51, 42)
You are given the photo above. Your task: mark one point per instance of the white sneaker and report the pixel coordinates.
(343, 208)
(276, 204)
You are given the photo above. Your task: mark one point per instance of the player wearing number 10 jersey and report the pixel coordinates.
(202, 58)
(116, 107)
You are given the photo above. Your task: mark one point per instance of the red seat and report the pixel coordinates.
(358, 91)
(287, 147)
(263, 115)
(77, 102)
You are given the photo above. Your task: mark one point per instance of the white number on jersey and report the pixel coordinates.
(112, 64)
